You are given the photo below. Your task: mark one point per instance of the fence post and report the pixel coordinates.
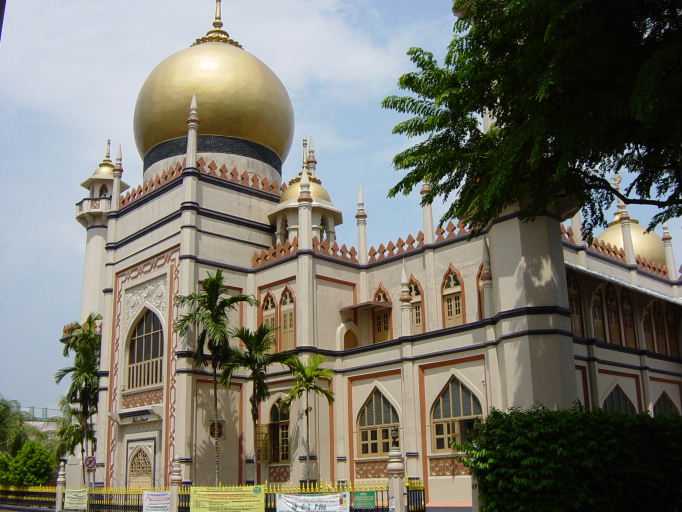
(475, 503)
(61, 483)
(176, 482)
(396, 473)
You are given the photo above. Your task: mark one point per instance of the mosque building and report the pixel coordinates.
(425, 334)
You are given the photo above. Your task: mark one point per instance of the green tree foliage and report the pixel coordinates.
(34, 464)
(308, 378)
(13, 431)
(207, 314)
(256, 356)
(578, 90)
(565, 461)
(84, 342)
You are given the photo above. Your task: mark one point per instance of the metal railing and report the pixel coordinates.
(30, 497)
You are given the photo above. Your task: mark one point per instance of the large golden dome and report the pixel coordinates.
(647, 245)
(238, 95)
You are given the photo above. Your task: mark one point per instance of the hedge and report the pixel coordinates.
(560, 461)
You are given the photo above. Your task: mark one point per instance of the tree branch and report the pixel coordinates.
(603, 184)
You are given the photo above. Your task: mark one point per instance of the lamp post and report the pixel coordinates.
(396, 474)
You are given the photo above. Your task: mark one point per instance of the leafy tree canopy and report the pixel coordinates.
(579, 90)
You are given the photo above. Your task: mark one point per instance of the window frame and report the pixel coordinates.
(452, 297)
(287, 313)
(278, 431)
(450, 425)
(382, 439)
(137, 370)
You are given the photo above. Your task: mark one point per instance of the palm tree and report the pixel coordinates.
(257, 355)
(84, 341)
(207, 314)
(307, 379)
(69, 432)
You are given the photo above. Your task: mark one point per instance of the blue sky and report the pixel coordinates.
(70, 71)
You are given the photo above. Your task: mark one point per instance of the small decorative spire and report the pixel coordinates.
(304, 195)
(119, 159)
(310, 162)
(404, 285)
(193, 111)
(621, 211)
(107, 152)
(666, 233)
(217, 34)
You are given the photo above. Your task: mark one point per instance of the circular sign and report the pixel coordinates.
(90, 463)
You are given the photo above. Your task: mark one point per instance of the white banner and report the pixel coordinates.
(313, 502)
(76, 499)
(155, 501)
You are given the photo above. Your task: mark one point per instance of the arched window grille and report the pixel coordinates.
(279, 432)
(613, 316)
(376, 422)
(140, 470)
(454, 415)
(618, 402)
(597, 313)
(382, 317)
(288, 309)
(673, 332)
(575, 307)
(665, 406)
(629, 331)
(453, 308)
(417, 302)
(145, 354)
(269, 312)
(648, 328)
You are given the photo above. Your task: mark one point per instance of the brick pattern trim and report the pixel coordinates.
(448, 466)
(279, 474)
(152, 397)
(371, 469)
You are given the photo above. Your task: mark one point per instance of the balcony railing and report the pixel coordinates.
(93, 205)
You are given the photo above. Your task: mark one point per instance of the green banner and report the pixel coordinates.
(227, 499)
(365, 500)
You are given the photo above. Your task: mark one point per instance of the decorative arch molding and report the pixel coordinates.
(376, 420)
(287, 319)
(378, 386)
(151, 294)
(381, 291)
(342, 330)
(140, 468)
(418, 305)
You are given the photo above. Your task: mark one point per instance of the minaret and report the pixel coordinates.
(624, 217)
(405, 304)
(673, 272)
(361, 220)
(118, 174)
(92, 212)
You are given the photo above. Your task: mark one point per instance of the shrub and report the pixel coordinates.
(560, 461)
(33, 465)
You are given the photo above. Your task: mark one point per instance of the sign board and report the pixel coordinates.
(234, 499)
(366, 500)
(313, 502)
(91, 463)
(76, 499)
(155, 501)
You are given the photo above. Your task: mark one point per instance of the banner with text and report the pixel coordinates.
(76, 499)
(155, 501)
(313, 502)
(227, 499)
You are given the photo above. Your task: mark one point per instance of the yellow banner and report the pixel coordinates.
(227, 499)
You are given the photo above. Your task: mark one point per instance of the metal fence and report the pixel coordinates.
(30, 497)
(130, 500)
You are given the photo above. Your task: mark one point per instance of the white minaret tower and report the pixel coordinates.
(361, 220)
(92, 212)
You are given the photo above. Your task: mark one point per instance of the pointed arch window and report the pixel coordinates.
(454, 415)
(288, 309)
(613, 316)
(575, 307)
(417, 303)
(269, 312)
(665, 406)
(659, 326)
(618, 402)
(648, 328)
(140, 470)
(103, 191)
(145, 353)
(453, 307)
(382, 317)
(628, 310)
(597, 313)
(376, 422)
(279, 432)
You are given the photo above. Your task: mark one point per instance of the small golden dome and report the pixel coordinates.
(238, 96)
(647, 245)
(317, 191)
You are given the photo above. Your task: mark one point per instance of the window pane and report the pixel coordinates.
(437, 409)
(388, 413)
(456, 403)
(373, 434)
(138, 350)
(147, 347)
(363, 435)
(476, 405)
(365, 449)
(447, 405)
(131, 354)
(440, 443)
(466, 402)
(370, 411)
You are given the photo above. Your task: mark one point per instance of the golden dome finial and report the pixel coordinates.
(107, 153)
(217, 34)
